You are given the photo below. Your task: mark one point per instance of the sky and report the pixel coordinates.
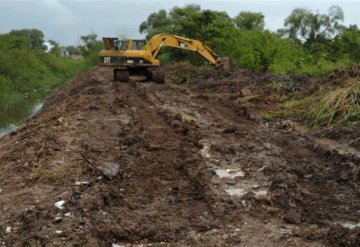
(65, 21)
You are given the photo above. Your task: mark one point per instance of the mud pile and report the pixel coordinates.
(107, 163)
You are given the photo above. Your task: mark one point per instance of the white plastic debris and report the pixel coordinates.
(118, 245)
(8, 229)
(78, 183)
(60, 204)
(68, 214)
(59, 232)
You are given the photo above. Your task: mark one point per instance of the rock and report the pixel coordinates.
(60, 204)
(230, 130)
(109, 169)
(59, 232)
(211, 170)
(78, 183)
(57, 219)
(292, 217)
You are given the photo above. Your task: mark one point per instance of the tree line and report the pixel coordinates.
(309, 41)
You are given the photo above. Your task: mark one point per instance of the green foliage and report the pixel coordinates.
(348, 44)
(250, 20)
(212, 27)
(35, 37)
(263, 50)
(28, 74)
(156, 23)
(55, 49)
(313, 29)
(340, 106)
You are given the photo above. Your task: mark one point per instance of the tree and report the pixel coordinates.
(71, 50)
(250, 20)
(311, 28)
(348, 43)
(212, 27)
(35, 36)
(156, 23)
(90, 43)
(55, 49)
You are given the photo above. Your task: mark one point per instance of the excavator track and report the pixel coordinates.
(156, 75)
(121, 75)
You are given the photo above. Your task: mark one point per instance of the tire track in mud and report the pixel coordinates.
(165, 193)
(236, 154)
(191, 169)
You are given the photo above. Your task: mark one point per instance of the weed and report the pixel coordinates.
(340, 106)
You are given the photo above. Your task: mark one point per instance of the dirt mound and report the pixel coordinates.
(340, 75)
(107, 163)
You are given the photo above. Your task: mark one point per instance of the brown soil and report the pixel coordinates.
(140, 164)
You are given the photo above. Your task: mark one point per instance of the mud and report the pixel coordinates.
(105, 163)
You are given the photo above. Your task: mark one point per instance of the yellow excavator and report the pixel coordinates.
(138, 57)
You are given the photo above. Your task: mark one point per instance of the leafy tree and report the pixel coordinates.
(8, 42)
(348, 43)
(211, 27)
(90, 42)
(250, 20)
(264, 50)
(71, 49)
(156, 23)
(55, 49)
(311, 28)
(35, 36)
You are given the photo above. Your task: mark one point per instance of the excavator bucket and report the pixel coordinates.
(223, 63)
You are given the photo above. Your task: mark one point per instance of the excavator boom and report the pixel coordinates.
(156, 42)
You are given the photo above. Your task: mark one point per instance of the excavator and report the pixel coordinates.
(138, 57)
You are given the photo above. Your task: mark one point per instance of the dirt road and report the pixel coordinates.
(141, 164)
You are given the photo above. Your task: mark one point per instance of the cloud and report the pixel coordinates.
(55, 5)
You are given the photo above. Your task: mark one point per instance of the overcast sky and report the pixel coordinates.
(65, 21)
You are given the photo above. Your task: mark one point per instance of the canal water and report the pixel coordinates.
(12, 121)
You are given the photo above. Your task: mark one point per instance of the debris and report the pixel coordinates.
(8, 229)
(109, 169)
(118, 245)
(60, 161)
(57, 219)
(78, 183)
(59, 232)
(211, 170)
(59, 204)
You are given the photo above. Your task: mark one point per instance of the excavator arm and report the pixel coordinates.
(161, 40)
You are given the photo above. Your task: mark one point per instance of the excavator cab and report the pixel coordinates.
(124, 44)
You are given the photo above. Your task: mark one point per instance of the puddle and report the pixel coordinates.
(229, 173)
(236, 191)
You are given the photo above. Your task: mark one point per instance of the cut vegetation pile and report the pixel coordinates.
(339, 107)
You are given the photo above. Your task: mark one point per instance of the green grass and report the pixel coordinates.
(28, 76)
(338, 107)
